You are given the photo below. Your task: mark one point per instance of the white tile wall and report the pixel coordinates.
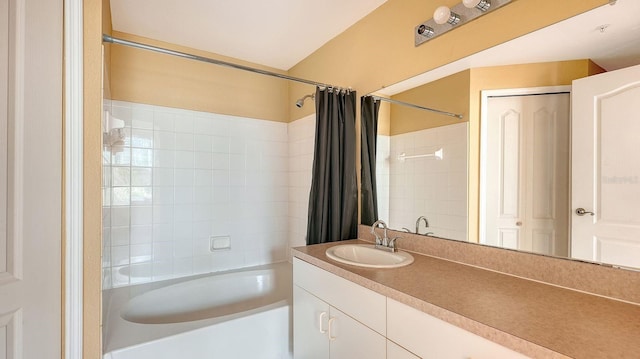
(383, 148)
(301, 143)
(436, 189)
(183, 176)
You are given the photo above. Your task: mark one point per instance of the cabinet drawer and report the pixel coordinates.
(364, 305)
(430, 337)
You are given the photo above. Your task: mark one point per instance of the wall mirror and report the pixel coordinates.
(486, 185)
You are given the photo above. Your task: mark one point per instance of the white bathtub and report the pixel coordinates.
(240, 314)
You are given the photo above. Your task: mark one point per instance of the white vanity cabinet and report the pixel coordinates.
(429, 337)
(394, 351)
(335, 318)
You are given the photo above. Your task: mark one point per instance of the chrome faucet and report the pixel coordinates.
(380, 241)
(426, 223)
(383, 243)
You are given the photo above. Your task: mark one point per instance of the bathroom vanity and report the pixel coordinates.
(443, 309)
(370, 325)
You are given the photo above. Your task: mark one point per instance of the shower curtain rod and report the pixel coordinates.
(113, 40)
(401, 103)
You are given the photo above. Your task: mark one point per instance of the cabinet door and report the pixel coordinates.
(350, 339)
(394, 351)
(365, 305)
(430, 337)
(310, 326)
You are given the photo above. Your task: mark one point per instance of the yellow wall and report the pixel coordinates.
(152, 78)
(375, 52)
(449, 94)
(384, 119)
(92, 199)
(107, 29)
(379, 50)
(456, 93)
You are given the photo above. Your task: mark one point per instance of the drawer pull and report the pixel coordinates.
(320, 317)
(331, 337)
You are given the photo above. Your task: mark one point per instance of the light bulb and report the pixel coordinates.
(441, 15)
(471, 3)
(482, 5)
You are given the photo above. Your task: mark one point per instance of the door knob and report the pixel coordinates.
(519, 223)
(582, 212)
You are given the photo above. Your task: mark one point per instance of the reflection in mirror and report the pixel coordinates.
(524, 185)
(425, 172)
(529, 173)
(421, 167)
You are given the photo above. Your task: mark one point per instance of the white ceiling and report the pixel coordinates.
(275, 33)
(576, 38)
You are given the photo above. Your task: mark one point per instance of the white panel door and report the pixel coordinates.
(527, 159)
(606, 168)
(30, 178)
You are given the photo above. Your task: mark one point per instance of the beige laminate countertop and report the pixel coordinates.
(537, 319)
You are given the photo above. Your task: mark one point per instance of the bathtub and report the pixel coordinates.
(240, 314)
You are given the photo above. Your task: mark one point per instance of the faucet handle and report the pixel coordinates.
(392, 243)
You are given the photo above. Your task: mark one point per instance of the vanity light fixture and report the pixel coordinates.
(445, 18)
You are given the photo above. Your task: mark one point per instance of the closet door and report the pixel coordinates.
(527, 176)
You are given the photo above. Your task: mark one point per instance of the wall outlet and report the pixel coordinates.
(219, 243)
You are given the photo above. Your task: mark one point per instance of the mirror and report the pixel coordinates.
(421, 160)
(450, 192)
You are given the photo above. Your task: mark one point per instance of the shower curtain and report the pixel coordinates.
(369, 133)
(333, 200)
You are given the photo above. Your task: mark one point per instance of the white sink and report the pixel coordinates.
(366, 255)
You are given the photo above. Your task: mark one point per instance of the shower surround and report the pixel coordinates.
(181, 177)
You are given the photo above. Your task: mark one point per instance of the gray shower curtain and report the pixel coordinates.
(333, 201)
(369, 134)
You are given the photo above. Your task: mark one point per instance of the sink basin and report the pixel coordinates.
(366, 255)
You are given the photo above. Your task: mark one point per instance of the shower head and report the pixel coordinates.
(300, 102)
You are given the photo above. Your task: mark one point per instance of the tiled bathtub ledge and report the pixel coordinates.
(536, 319)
